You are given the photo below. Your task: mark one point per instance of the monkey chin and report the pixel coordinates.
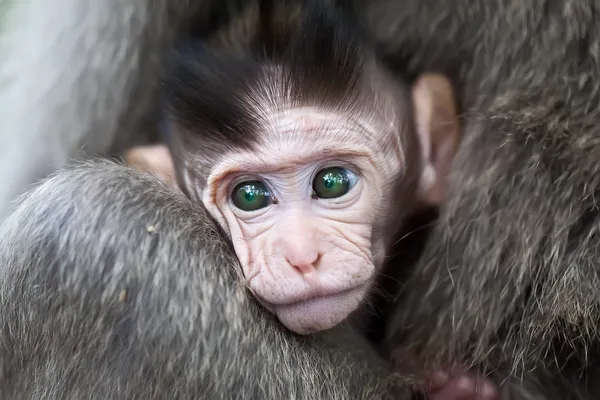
(319, 313)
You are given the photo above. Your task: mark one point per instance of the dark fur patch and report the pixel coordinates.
(208, 87)
(205, 94)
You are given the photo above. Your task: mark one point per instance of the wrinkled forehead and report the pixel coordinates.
(310, 128)
(304, 136)
(373, 116)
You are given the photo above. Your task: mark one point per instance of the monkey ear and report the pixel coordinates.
(436, 120)
(155, 159)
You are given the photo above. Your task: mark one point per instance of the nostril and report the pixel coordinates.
(301, 253)
(305, 265)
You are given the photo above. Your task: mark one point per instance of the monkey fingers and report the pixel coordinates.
(438, 384)
(465, 386)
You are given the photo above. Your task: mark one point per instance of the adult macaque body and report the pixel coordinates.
(511, 279)
(308, 153)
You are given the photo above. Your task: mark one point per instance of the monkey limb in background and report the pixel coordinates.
(512, 275)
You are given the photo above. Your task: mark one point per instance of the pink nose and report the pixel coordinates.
(302, 258)
(298, 243)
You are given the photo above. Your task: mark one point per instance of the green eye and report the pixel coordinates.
(334, 182)
(251, 196)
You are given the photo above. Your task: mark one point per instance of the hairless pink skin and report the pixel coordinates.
(459, 384)
(311, 261)
(465, 386)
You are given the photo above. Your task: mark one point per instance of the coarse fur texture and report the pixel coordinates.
(512, 277)
(114, 286)
(534, 165)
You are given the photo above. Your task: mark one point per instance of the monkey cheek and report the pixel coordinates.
(320, 313)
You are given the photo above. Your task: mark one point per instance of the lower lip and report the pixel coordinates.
(319, 299)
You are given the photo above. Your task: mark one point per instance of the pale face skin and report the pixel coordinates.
(306, 248)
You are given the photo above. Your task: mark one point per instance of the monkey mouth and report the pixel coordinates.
(312, 297)
(318, 313)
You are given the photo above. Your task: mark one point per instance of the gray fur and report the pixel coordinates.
(512, 275)
(67, 92)
(113, 286)
(523, 294)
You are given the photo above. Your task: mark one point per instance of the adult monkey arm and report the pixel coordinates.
(116, 287)
(511, 276)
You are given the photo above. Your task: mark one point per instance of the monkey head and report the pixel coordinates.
(310, 160)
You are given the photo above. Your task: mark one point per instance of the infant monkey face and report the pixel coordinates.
(301, 217)
(304, 238)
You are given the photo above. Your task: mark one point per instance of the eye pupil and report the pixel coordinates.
(251, 196)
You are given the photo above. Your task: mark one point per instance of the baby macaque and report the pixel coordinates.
(308, 153)
(313, 204)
